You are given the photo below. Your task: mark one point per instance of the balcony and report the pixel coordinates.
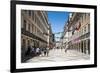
(34, 36)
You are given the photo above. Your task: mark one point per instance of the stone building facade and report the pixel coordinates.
(79, 32)
(34, 29)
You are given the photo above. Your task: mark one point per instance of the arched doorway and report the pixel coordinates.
(23, 45)
(85, 46)
(23, 49)
(88, 46)
(82, 46)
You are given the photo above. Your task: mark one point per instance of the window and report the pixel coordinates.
(28, 42)
(35, 29)
(25, 11)
(29, 27)
(88, 14)
(29, 12)
(35, 19)
(82, 18)
(33, 15)
(23, 44)
(32, 29)
(85, 16)
(88, 27)
(84, 29)
(82, 32)
(24, 25)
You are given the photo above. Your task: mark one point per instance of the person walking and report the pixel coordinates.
(42, 50)
(47, 51)
(37, 51)
(33, 51)
(65, 50)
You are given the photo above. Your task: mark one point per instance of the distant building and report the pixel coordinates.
(51, 38)
(58, 44)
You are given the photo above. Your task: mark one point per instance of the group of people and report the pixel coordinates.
(37, 51)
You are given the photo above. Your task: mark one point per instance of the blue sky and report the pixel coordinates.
(57, 21)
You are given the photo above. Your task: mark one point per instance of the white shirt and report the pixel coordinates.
(37, 50)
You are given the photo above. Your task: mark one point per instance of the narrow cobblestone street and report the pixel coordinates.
(60, 55)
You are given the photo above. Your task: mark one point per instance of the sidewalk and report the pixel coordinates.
(60, 55)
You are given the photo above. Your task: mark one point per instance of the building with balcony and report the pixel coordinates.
(34, 27)
(78, 32)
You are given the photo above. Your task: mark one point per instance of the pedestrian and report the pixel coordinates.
(65, 50)
(41, 50)
(47, 51)
(37, 51)
(33, 50)
(44, 51)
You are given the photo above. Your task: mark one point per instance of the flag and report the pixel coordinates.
(77, 28)
(73, 29)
